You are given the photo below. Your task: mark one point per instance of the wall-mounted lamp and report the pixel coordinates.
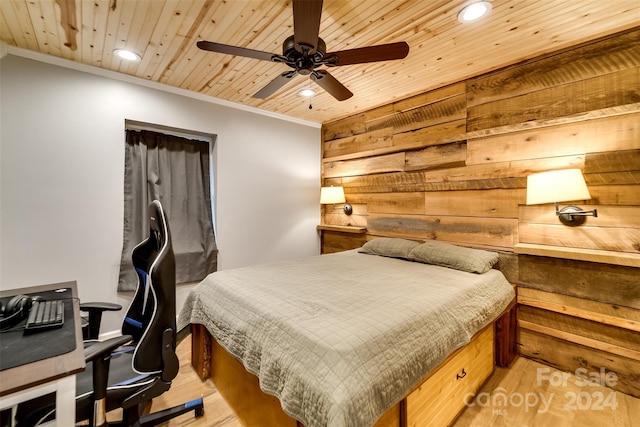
(560, 186)
(335, 195)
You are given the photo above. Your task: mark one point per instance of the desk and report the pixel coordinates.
(54, 374)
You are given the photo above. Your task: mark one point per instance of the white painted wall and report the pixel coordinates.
(62, 166)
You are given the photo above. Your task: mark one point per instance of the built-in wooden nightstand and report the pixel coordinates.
(338, 238)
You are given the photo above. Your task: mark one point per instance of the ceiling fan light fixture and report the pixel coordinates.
(307, 92)
(474, 11)
(127, 55)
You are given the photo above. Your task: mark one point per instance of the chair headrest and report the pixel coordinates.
(156, 217)
(158, 227)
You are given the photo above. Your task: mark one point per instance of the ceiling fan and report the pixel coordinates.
(305, 51)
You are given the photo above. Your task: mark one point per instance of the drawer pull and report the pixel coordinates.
(461, 375)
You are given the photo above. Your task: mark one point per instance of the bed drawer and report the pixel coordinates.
(438, 400)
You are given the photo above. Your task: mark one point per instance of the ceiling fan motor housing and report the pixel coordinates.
(303, 62)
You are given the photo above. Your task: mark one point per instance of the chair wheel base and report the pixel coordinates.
(199, 412)
(197, 406)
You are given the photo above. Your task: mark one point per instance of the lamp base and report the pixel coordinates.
(346, 208)
(567, 216)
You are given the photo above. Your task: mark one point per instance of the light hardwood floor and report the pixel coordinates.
(536, 395)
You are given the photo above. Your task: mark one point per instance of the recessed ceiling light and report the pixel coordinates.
(307, 92)
(127, 55)
(474, 11)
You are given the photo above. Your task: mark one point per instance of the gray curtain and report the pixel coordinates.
(175, 171)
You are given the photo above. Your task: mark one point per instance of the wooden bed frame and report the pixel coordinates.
(437, 400)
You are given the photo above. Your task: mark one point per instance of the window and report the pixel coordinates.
(172, 166)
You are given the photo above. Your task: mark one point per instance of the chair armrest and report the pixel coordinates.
(99, 356)
(100, 348)
(99, 306)
(95, 310)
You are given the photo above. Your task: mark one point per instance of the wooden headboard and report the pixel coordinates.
(451, 164)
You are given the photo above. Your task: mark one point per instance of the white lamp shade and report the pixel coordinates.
(556, 186)
(332, 195)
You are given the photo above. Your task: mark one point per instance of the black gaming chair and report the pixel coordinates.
(129, 377)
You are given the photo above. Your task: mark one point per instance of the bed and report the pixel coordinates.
(352, 338)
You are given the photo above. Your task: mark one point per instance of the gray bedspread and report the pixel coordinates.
(341, 338)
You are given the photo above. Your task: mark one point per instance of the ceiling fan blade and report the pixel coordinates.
(306, 24)
(329, 83)
(383, 52)
(234, 50)
(274, 85)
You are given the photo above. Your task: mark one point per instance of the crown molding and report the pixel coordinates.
(66, 63)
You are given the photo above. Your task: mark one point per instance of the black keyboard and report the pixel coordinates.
(45, 315)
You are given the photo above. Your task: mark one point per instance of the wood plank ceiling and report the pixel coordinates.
(442, 50)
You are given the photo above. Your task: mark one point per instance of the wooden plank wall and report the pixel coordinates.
(451, 164)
